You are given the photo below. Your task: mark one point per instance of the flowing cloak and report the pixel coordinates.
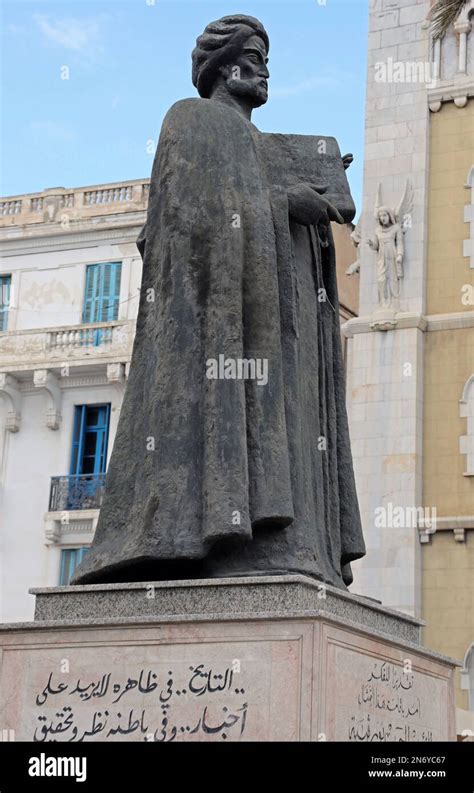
(217, 477)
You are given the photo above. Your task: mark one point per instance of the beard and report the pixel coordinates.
(252, 90)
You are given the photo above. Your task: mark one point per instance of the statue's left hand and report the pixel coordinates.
(308, 207)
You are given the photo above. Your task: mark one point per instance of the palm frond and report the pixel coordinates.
(443, 14)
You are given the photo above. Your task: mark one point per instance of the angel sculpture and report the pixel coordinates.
(388, 243)
(356, 240)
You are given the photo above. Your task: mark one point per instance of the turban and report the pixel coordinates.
(220, 45)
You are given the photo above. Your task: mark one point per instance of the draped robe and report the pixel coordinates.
(219, 477)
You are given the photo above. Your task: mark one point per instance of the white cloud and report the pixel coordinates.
(78, 35)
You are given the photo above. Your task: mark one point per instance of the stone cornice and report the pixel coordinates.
(80, 239)
(458, 524)
(459, 92)
(454, 321)
(430, 322)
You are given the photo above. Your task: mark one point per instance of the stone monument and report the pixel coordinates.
(213, 604)
(219, 473)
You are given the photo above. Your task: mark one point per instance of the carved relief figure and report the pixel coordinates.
(389, 244)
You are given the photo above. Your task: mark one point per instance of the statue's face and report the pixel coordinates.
(384, 218)
(249, 79)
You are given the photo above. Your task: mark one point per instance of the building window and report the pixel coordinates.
(90, 439)
(83, 488)
(70, 560)
(466, 411)
(5, 291)
(102, 292)
(467, 676)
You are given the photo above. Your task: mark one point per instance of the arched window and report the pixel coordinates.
(466, 410)
(467, 676)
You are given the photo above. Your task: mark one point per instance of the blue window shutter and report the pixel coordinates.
(90, 439)
(117, 272)
(110, 291)
(103, 439)
(102, 292)
(106, 302)
(91, 295)
(5, 287)
(78, 436)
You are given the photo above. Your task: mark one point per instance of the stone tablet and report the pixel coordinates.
(292, 159)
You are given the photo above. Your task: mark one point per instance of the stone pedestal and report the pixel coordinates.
(279, 658)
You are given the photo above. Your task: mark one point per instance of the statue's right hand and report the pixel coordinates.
(308, 207)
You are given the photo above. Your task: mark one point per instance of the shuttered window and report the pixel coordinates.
(102, 292)
(90, 438)
(5, 291)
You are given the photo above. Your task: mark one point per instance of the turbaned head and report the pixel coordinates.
(233, 49)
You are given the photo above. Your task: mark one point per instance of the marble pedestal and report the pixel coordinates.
(279, 658)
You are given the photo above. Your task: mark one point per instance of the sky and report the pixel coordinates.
(86, 84)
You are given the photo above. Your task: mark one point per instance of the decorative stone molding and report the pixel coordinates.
(9, 389)
(384, 319)
(73, 381)
(466, 410)
(52, 532)
(452, 522)
(116, 372)
(59, 525)
(46, 242)
(468, 247)
(452, 82)
(47, 381)
(458, 524)
(432, 322)
(459, 94)
(425, 535)
(401, 320)
(454, 321)
(84, 381)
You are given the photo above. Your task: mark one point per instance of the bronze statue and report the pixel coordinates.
(216, 471)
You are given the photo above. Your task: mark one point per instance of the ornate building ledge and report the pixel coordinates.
(430, 322)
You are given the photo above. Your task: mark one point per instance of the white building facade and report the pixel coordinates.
(70, 275)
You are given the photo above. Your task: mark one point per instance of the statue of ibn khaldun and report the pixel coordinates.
(232, 474)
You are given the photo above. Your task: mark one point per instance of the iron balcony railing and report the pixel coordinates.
(82, 491)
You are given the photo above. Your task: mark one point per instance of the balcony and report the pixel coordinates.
(69, 206)
(101, 342)
(77, 492)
